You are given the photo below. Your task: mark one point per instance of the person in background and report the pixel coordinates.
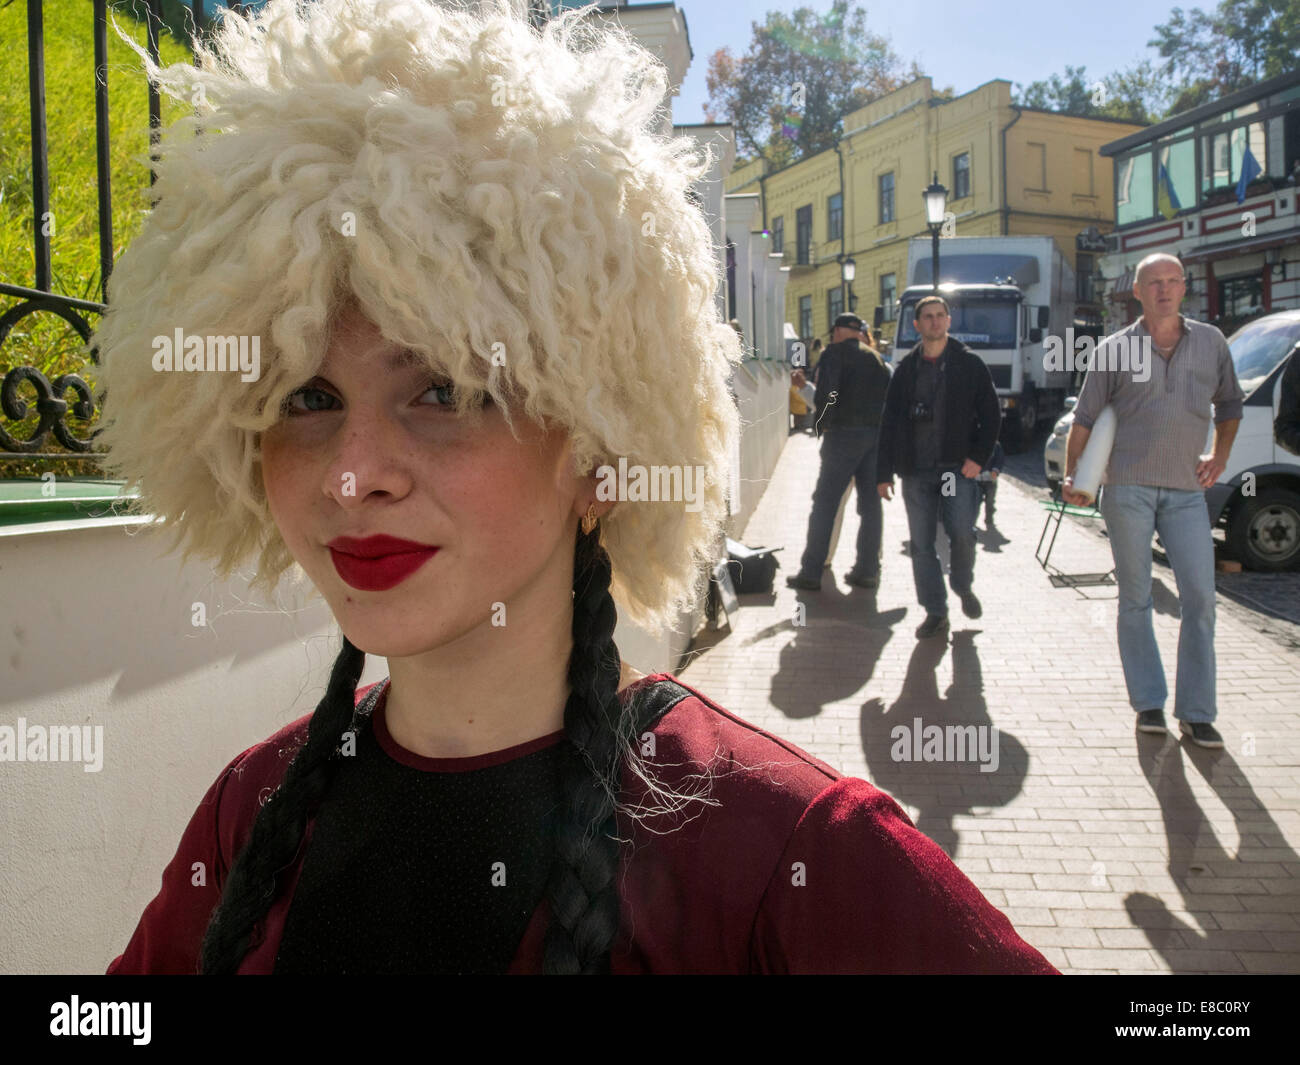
(851, 388)
(940, 424)
(988, 482)
(844, 500)
(801, 411)
(1155, 484)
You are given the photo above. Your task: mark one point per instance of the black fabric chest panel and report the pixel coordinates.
(417, 872)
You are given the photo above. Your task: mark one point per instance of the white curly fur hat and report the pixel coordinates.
(470, 182)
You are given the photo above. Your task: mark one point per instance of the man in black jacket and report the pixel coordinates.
(851, 384)
(1286, 427)
(940, 425)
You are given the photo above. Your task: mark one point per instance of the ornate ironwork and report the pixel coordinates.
(50, 404)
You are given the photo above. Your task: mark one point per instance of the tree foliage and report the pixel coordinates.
(1206, 55)
(1139, 94)
(787, 95)
(1240, 43)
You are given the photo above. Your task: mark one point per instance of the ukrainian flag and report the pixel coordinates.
(1167, 199)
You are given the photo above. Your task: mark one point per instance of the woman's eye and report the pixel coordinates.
(444, 394)
(313, 399)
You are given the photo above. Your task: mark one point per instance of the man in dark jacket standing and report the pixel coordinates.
(940, 425)
(851, 384)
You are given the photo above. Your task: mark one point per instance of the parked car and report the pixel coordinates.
(1257, 500)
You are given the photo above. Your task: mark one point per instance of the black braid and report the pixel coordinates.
(278, 830)
(583, 896)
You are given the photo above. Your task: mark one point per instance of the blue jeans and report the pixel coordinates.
(847, 455)
(1134, 512)
(926, 497)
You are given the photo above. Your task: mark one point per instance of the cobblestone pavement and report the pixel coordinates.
(1108, 851)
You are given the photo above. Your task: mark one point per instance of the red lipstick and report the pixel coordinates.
(376, 563)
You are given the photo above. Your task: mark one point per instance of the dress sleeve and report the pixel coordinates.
(170, 933)
(858, 889)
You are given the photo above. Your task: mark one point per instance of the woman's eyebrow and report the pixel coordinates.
(405, 359)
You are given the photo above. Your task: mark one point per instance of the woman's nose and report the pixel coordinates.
(365, 459)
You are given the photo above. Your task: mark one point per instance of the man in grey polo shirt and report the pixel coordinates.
(1160, 375)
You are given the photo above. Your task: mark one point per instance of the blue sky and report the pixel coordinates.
(959, 44)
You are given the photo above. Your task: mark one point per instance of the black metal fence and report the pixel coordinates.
(51, 403)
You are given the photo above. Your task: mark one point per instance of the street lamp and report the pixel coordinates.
(848, 271)
(936, 209)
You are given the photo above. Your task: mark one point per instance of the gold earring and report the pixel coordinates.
(589, 520)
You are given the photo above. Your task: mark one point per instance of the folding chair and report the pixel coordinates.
(1057, 509)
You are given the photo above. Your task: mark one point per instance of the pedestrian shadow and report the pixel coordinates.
(1211, 881)
(838, 639)
(990, 539)
(942, 789)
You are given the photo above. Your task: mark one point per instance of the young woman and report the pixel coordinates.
(475, 277)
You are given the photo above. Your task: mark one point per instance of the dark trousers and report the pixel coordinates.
(989, 491)
(847, 455)
(928, 498)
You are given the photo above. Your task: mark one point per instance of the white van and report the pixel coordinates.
(1263, 528)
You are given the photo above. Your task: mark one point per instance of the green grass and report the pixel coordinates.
(44, 340)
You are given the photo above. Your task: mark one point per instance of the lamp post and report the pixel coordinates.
(936, 208)
(848, 271)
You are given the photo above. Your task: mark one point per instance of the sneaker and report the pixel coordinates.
(807, 584)
(1152, 721)
(1202, 733)
(862, 580)
(970, 606)
(932, 626)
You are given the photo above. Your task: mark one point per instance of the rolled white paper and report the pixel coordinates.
(1096, 454)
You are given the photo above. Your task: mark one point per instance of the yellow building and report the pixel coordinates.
(1009, 170)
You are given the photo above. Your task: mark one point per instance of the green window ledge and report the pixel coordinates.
(30, 501)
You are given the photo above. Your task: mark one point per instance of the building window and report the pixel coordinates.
(886, 198)
(1133, 195)
(888, 294)
(1176, 177)
(803, 234)
(834, 304)
(1240, 297)
(1036, 167)
(805, 318)
(1226, 157)
(961, 176)
(778, 234)
(1084, 178)
(835, 217)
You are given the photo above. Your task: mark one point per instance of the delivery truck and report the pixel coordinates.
(1012, 301)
